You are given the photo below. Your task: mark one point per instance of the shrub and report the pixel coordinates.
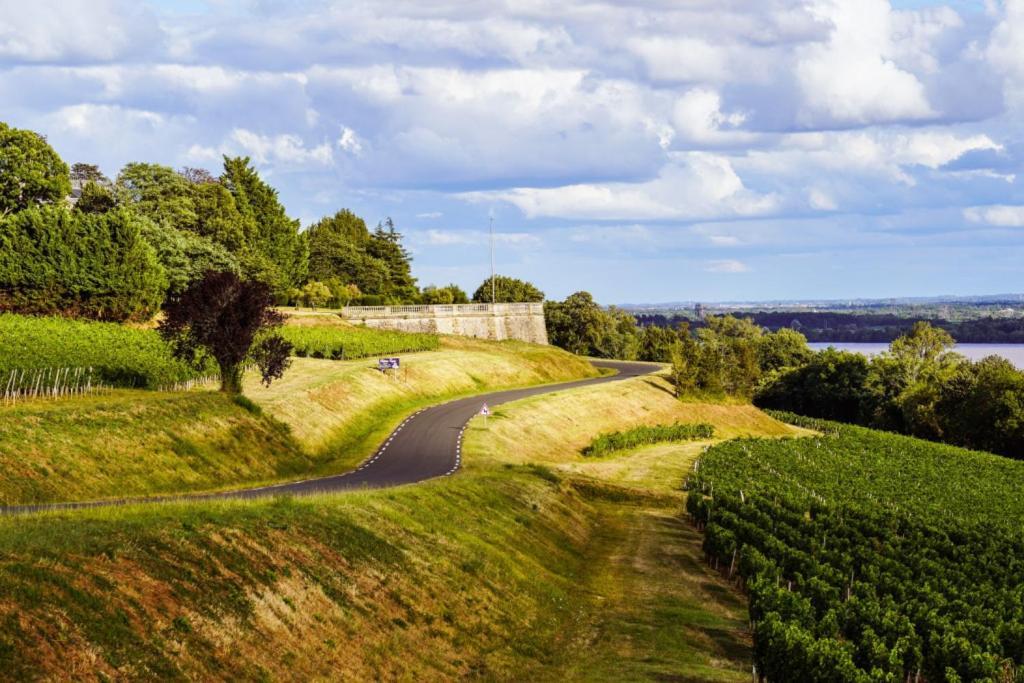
(645, 436)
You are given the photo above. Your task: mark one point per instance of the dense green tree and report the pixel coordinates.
(280, 252)
(619, 336)
(385, 245)
(315, 294)
(185, 256)
(657, 344)
(576, 324)
(82, 173)
(95, 198)
(449, 294)
(31, 172)
(507, 290)
(55, 260)
(982, 406)
(784, 348)
(830, 385)
(158, 193)
(729, 356)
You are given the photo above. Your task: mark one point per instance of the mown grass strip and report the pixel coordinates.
(647, 436)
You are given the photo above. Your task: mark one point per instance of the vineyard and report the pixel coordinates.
(347, 343)
(646, 436)
(869, 556)
(57, 356)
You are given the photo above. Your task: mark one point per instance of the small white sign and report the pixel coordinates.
(485, 411)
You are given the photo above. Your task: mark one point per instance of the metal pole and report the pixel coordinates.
(494, 299)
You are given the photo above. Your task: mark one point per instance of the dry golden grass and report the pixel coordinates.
(554, 428)
(340, 410)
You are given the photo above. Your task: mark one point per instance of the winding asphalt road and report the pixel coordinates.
(427, 444)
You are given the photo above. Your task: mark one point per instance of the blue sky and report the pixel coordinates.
(644, 150)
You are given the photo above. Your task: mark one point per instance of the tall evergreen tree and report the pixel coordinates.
(276, 248)
(31, 172)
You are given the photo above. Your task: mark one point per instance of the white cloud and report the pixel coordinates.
(287, 149)
(726, 266)
(1000, 215)
(698, 116)
(350, 142)
(75, 29)
(854, 78)
(692, 185)
(682, 59)
(821, 200)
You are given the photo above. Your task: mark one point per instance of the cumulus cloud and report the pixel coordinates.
(693, 185)
(858, 76)
(286, 149)
(70, 30)
(1002, 216)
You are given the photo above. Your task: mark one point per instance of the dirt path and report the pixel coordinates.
(650, 609)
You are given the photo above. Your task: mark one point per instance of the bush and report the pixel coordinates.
(57, 261)
(645, 436)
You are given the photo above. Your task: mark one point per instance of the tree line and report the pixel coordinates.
(918, 387)
(74, 242)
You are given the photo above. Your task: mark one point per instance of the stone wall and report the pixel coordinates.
(486, 321)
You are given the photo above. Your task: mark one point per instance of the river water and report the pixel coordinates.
(1011, 352)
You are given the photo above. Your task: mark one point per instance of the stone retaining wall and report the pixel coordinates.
(486, 321)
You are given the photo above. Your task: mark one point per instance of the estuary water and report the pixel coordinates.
(1011, 352)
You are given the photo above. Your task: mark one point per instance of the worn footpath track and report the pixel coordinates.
(426, 445)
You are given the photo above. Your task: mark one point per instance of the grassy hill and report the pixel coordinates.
(519, 567)
(324, 416)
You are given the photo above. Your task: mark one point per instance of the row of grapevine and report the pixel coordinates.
(869, 556)
(119, 356)
(46, 383)
(348, 343)
(645, 436)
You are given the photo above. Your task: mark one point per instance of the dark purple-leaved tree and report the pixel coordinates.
(231, 320)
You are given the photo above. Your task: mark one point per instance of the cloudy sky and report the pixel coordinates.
(645, 150)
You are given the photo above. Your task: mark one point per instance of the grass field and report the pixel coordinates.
(324, 416)
(523, 566)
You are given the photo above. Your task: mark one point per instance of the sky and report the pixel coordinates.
(642, 150)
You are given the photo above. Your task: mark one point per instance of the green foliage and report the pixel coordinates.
(919, 387)
(829, 385)
(870, 556)
(315, 294)
(121, 356)
(579, 324)
(342, 248)
(158, 193)
(342, 343)
(54, 260)
(185, 256)
(278, 252)
(450, 294)
(95, 198)
(31, 172)
(507, 290)
(646, 436)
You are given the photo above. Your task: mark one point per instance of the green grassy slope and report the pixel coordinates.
(516, 568)
(138, 443)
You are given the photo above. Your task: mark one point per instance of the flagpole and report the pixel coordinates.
(494, 299)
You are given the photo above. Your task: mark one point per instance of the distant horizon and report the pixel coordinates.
(1006, 297)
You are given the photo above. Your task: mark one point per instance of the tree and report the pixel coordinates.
(230, 320)
(784, 348)
(449, 294)
(315, 294)
(31, 172)
(385, 244)
(830, 386)
(82, 173)
(575, 324)
(508, 290)
(55, 260)
(281, 253)
(185, 256)
(158, 193)
(728, 361)
(95, 198)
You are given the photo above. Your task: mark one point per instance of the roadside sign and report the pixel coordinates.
(485, 411)
(388, 364)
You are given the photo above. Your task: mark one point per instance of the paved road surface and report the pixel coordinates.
(427, 444)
